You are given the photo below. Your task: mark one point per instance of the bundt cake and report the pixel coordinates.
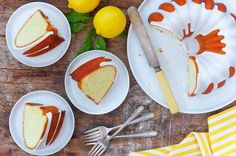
(95, 79)
(207, 31)
(36, 120)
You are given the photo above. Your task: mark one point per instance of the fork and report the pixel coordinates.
(101, 146)
(100, 132)
(135, 135)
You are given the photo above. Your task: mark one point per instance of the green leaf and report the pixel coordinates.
(123, 35)
(100, 43)
(88, 42)
(77, 27)
(105, 2)
(74, 17)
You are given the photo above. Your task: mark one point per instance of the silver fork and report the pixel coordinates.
(100, 132)
(134, 135)
(101, 146)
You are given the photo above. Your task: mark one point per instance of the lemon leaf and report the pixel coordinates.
(77, 27)
(100, 43)
(123, 35)
(74, 17)
(88, 42)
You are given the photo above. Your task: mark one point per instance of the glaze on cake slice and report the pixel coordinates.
(58, 128)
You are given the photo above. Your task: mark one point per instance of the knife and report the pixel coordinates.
(152, 57)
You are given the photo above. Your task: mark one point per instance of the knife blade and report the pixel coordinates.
(151, 57)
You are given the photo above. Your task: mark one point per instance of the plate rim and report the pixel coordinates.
(87, 53)
(47, 92)
(158, 101)
(8, 27)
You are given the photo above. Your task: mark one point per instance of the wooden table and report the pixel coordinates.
(17, 79)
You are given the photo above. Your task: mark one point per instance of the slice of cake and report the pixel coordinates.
(34, 125)
(34, 28)
(95, 79)
(192, 76)
(36, 121)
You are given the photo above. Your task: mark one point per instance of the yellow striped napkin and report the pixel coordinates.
(219, 141)
(222, 131)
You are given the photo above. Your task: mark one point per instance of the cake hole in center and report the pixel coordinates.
(191, 45)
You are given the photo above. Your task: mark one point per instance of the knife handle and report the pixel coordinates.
(167, 92)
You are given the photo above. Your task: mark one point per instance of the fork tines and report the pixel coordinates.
(97, 149)
(91, 130)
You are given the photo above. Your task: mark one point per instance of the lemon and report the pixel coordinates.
(83, 6)
(109, 22)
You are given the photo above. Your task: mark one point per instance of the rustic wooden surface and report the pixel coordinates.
(17, 79)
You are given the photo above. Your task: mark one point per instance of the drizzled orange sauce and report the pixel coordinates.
(233, 15)
(53, 126)
(197, 1)
(187, 34)
(88, 68)
(211, 42)
(58, 127)
(209, 4)
(221, 84)
(231, 72)
(167, 7)
(209, 89)
(180, 2)
(51, 109)
(156, 16)
(221, 7)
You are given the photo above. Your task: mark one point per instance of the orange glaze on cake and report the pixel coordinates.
(233, 15)
(51, 109)
(209, 89)
(211, 42)
(209, 4)
(53, 126)
(88, 68)
(180, 2)
(44, 46)
(231, 72)
(58, 127)
(156, 16)
(221, 7)
(167, 7)
(187, 34)
(221, 84)
(197, 1)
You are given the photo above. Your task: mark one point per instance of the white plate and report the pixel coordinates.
(114, 97)
(174, 63)
(56, 17)
(46, 98)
